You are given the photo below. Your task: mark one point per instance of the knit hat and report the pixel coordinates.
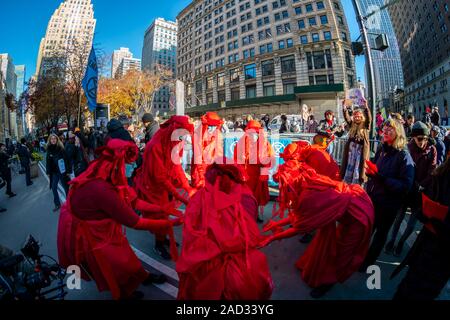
(420, 129)
(147, 117)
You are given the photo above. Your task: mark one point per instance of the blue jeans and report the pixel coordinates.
(54, 179)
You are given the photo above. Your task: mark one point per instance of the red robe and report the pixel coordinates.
(257, 162)
(320, 160)
(219, 259)
(90, 234)
(343, 215)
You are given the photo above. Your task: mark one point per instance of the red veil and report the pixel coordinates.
(159, 177)
(219, 259)
(343, 215)
(205, 146)
(100, 246)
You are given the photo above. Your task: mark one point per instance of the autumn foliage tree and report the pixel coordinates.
(134, 92)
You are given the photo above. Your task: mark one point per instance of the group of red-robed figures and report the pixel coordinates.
(220, 256)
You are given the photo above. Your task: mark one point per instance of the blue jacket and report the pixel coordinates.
(395, 179)
(441, 151)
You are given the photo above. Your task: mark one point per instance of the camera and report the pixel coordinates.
(28, 276)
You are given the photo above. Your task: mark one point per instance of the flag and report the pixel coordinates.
(90, 80)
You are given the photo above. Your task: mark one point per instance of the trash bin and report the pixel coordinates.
(34, 170)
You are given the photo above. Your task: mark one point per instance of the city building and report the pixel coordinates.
(160, 49)
(20, 88)
(117, 57)
(422, 29)
(386, 64)
(8, 83)
(258, 56)
(126, 65)
(72, 22)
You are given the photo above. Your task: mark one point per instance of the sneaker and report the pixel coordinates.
(162, 251)
(389, 248)
(320, 291)
(154, 278)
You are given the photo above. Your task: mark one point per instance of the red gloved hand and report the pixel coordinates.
(153, 225)
(371, 168)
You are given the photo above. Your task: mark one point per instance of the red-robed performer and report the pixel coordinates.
(219, 259)
(255, 153)
(207, 145)
(342, 214)
(90, 230)
(161, 173)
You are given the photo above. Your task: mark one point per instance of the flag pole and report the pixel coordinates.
(79, 108)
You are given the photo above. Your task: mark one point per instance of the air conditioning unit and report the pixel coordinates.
(381, 42)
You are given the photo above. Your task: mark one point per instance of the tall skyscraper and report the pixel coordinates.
(387, 64)
(259, 56)
(20, 88)
(8, 83)
(126, 65)
(20, 73)
(422, 29)
(160, 48)
(73, 21)
(117, 57)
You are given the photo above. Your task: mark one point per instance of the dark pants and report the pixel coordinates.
(26, 167)
(54, 180)
(6, 175)
(429, 269)
(384, 218)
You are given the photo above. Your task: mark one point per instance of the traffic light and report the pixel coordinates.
(357, 48)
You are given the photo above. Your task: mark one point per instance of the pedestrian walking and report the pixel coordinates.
(357, 147)
(57, 168)
(76, 158)
(5, 170)
(25, 160)
(391, 176)
(435, 116)
(424, 156)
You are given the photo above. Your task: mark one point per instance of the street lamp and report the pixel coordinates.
(381, 44)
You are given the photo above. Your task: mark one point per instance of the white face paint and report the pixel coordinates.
(254, 137)
(187, 139)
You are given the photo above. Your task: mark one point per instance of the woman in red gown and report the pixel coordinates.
(207, 145)
(255, 153)
(219, 259)
(161, 175)
(90, 230)
(342, 214)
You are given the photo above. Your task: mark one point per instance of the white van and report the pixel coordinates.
(275, 123)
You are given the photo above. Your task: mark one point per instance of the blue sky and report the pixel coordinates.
(119, 24)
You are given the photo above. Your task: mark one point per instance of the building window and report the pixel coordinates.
(288, 86)
(304, 39)
(221, 95)
(311, 80)
(269, 48)
(336, 6)
(250, 91)
(315, 37)
(281, 44)
(262, 49)
(340, 20)
(234, 75)
(324, 19)
(319, 60)
(267, 68)
(289, 43)
(209, 98)
(328, 58)
(320, 5)
(348, 60)
(321, 80)
(221, 79)
(209, 82)
(344, 36)
(250, 71)
(269, 89)
(287, 64)
(331, 78)
(327, 35)
(298, 10)
(198, 86)
(301, 24)
(309, 7)
(235, 94)
(350, 80)
(312, 21)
